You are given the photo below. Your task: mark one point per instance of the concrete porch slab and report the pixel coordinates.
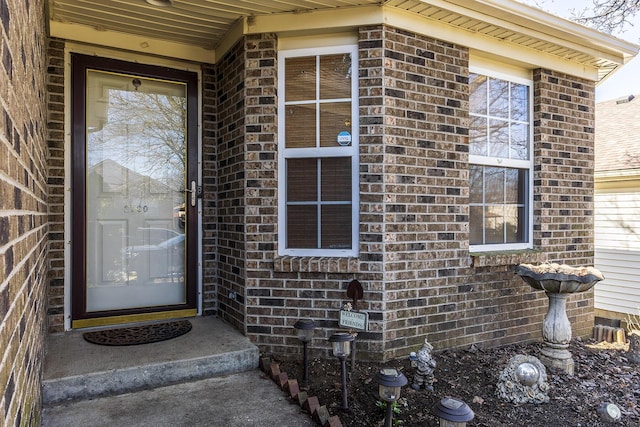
(246, 399)
(78, 370)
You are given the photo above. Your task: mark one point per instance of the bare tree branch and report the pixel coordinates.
(609, 16)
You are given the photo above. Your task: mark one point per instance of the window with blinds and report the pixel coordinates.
(318, 152)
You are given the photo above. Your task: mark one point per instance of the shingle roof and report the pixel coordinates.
(618, 134)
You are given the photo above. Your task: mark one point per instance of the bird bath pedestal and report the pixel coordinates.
(558, 282)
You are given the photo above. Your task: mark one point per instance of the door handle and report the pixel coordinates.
(194, 193)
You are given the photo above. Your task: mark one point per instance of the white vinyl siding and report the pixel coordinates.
(617, 249)
(620, 289)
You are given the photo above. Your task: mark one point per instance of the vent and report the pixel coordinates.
(625, 100)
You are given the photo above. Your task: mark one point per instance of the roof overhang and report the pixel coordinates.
(506, 29)
(617, 175)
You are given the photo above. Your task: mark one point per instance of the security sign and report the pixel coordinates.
(344, 138)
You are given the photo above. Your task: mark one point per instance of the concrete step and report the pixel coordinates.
(78, 370)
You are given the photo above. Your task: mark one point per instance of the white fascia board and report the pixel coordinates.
(617, 175)
(556, 27)
(508, 14)
(509, 52)
(117, 40)
(534, 22)
(305, 22)
(332, 20)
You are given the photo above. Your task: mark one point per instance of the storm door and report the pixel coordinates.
(134, 192)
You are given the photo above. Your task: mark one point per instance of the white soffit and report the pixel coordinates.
(202, 30)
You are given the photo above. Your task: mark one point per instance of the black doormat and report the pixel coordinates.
(135, 335)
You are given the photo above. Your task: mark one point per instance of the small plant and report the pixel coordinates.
(633, 333)
(396, 407)
(633, 323)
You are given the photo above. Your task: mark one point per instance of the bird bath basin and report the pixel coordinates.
(558, 281)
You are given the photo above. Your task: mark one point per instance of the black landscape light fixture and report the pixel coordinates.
(341, 347)
(452, 412)
(390, 382)
(304, 331)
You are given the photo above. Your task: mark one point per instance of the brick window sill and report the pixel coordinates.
(291, 264)
(492, 259)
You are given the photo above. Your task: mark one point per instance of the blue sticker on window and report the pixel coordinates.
(344, 138)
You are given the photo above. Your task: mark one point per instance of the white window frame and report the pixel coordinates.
(510, 163)
(318, 152)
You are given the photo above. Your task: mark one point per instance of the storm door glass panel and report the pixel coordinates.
(135, 182)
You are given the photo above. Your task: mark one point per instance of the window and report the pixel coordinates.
(318, 152)
(501, 162)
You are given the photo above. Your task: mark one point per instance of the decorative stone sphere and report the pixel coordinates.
(527, 373)
(524, 380)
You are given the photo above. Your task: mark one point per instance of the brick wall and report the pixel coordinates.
(55, 180)
(279, 291)
(209, 187)
(23, 211)
(564, 150)
(231, 193)
(430, 288)
(564, 160)
(425, 177)
(264, 305)
(414, 263)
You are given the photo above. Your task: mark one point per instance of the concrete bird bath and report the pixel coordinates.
(558, 282)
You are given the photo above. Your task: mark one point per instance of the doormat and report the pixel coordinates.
(134, 335)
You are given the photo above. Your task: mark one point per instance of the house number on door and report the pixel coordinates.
(135, 209)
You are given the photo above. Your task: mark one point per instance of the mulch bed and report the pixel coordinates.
(602, 374)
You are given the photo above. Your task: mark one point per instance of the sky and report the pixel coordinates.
(624, 81)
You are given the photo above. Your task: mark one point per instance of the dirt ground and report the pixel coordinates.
(602, 374)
